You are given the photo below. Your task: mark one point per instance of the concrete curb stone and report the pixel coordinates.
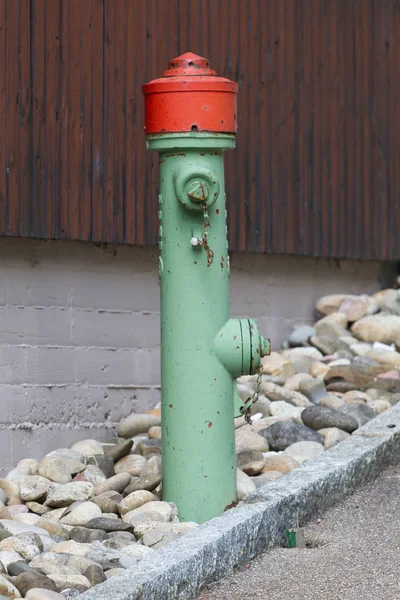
(181, 569)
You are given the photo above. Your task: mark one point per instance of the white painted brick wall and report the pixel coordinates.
(79, 331)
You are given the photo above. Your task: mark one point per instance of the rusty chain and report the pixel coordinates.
(246, 408)
(203, 242)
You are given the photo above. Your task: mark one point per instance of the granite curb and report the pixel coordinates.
(181, 569)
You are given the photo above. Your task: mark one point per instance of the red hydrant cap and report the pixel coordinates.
(190, 97)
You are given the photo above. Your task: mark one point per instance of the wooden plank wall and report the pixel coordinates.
(316, 171)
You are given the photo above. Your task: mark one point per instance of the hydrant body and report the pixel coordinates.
(203, 351)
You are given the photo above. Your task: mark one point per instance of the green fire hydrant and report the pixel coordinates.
(190, 120)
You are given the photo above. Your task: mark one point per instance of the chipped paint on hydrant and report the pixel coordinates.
(190, 120)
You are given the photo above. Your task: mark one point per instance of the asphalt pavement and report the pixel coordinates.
(352, 553)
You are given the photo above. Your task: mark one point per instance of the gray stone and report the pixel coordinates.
(341, 386)
(313, 389)
(84, 535)
(20, 566)
(250, 462)
(121, 535)
(64, 577)
(104, 462)
(150, 476)
(276, 393)
(320, 417)
(117, 544)
(70, 594)
(95, 574)
(26, 581)
(330, 344)
(360, 412)
(105, 557)
(323, 327)
(283, 434)
(117, 483)
(3, 497)
(301, 335)
(107, 524)
(120, 450)
(148, 448)
(107, 505)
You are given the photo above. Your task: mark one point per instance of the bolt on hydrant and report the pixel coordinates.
(190, 120)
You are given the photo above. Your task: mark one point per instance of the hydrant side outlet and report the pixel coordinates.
(203, 351)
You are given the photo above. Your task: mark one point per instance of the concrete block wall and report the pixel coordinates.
(79, 331)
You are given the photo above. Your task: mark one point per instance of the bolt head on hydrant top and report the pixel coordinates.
(190, 97)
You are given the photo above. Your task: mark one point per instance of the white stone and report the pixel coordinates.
(88, 447)
(33, 487)
(81, 514)
(15, 528)
(54, 468)
(132, 464)
(378, 328)
(302, 451)
(30, 465)
(71, 547)
(64, 577)
(244, 484)
(361, 348)
(135, 500)
(65, 494)
(162, 510)
(27, 518)
(282, 409)
(247, 439)
(309, 352)
(379, 406)
(42, 594)
(334, 436)
(137, 551)
(8, 557)
(25, 549)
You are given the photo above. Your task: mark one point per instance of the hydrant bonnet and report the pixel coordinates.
(190, 97)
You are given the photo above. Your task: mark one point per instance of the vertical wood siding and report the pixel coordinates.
(317, 168)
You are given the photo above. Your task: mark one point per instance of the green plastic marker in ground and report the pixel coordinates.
(203, 351)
